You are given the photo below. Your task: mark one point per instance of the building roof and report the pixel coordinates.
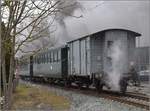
(136, 34)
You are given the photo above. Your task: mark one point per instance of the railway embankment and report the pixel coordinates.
(86, 100)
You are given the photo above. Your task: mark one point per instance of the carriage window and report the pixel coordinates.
(47, 55)
(52, 56)
(55, 56)
(41, 59)
(44, 57)
(50, 60)
(34, 59)
(38, 60)
(109, 44)
(53, 60)
(59, 55)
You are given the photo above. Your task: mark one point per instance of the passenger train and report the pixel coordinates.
(82, 61)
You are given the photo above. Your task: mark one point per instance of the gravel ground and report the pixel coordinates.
(81, 102)
(143, 89)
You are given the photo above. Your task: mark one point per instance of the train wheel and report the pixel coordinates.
(87, 86)
(80, 85)
(123, 89)
(123, 86)
(67, 84)
(99, 86)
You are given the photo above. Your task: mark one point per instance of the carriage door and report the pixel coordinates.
(64, 58)
(109, 55)
(31, 66)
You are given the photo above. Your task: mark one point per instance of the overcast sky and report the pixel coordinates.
(98, 15)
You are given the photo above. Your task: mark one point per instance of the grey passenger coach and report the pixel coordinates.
(89, 56)
(100, 59)
(48, 64)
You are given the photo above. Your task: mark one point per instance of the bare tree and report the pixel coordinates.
(0, 73)
(22, 24)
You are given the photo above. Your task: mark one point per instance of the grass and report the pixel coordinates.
(27, 97)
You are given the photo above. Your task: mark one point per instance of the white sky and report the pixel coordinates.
(98, 15)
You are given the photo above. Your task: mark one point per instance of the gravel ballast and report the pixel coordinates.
(81, 102)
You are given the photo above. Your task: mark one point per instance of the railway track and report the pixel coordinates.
(138, 101)
(138, 96)
(130, 98)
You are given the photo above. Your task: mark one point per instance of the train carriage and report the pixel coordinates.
(48, 64)
(89, 58)
(86, 61)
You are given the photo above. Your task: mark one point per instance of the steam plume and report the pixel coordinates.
(67, 9)
(118, 60)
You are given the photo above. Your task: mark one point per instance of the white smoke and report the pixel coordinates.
(118, 60)
(67, 9)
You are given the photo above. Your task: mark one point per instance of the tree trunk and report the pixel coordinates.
(4, 79)
(8, 66)
(11, 70)
(0, 58)
(0, 61)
